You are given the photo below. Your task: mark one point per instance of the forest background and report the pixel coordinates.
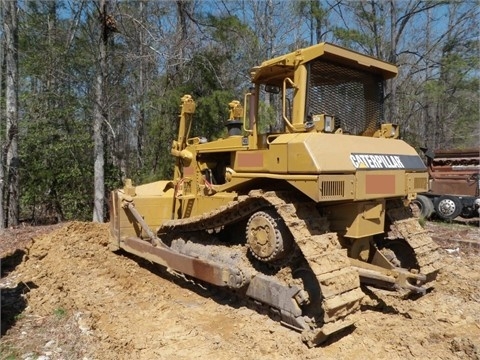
(90, 90)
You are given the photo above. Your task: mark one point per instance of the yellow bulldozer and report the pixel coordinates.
(304, 199)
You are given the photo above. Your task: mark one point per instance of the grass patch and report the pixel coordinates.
(59, 313)
(422, 221)
(7, 352)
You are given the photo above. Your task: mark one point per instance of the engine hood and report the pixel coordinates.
(334, 153)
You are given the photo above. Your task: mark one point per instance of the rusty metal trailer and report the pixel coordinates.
(454, 184)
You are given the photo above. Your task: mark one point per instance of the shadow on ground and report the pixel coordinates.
(13, 300)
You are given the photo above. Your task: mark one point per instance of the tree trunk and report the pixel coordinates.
(392, 58)
(140, 92)
(11, 94)
(2, 147)
(98, 118)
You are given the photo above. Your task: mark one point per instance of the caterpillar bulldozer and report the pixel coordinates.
(304, 199)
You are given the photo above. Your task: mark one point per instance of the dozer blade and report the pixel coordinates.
(214, 273)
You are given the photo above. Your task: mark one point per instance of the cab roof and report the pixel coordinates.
(284, 66)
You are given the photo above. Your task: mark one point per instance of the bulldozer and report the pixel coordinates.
(303, 201)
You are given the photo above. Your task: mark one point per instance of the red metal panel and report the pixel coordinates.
(250, 159)
(380, 184)
(455, 172)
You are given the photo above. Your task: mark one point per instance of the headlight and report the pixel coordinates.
(324, 123)
(329, 124)
(393, 131)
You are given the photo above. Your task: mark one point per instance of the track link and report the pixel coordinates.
(336, 280)
(426, 250)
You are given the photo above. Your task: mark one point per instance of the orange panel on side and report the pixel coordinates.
(250, 160)
(380, 184)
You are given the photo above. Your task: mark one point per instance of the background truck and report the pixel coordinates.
(454, 184)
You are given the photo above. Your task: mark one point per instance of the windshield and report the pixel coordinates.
(270, 109)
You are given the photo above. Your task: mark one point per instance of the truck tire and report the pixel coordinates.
(424, 206)
(448, 207)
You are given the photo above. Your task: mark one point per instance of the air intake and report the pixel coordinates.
(420, 183)
(353, 97)
(332, 189)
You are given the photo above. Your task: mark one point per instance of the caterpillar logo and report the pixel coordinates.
(375, 161)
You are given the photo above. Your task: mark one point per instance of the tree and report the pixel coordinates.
(56, 149)
(10, 148)
(411, 34)
(99, 111)
(316, 15)
(2, 147)
(453, 94)
(95, 107)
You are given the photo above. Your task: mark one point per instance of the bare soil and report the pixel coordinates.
(65, 295)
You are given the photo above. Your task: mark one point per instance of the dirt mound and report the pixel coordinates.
(82, 301)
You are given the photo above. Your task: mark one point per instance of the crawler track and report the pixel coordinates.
(425, 249)
(321, 267)
(315, 289)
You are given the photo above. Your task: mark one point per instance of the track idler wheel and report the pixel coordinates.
(268, 237)
(400, 254)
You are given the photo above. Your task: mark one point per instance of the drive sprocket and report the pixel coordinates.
(267, 236)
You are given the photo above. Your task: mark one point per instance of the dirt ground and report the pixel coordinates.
(65, 295)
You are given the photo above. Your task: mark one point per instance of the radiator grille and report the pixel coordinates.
(333, 189)
(353, 97)
(420, 183)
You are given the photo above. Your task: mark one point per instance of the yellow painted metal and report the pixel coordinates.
(275, 70)
(416, 183)
(320, 122)
(350, 176)
(350, 179)
(357, 219)
(200, 204)
(153, 201)
(299, 98)
(336, 187)
(388, 131)
(277, 158)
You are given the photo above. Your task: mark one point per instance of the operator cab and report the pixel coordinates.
(323, 88)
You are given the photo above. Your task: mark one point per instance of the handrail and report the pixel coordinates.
(284, 100)
(247, 95)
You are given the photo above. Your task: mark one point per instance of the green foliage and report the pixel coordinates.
(205, 86)
(233, 50)
(60, 312)
(266, 117)
(211, 114)
(19, 316)
(351, 38)
(161, 130)
(56, 171)
(209, 118)
(154, 59)
(315, 14)
(226, 28)
(455, 95)
(8, 352)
